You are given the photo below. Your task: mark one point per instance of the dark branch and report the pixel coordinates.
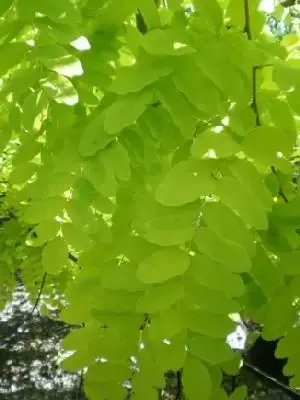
(247, 30)
(269, 379)
(254, 104)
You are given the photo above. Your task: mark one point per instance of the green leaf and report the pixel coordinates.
(213, 142)
(160, 297)
(149, 376)
(94, 137)
(180, 110)
(210, 350)
(22, 173)
(215, 276)
(236, 196)
(231, 254)
(136, 77)
(264, 142)
(78, 239)
(79, 213)
(166, 324)
(248, 175)
(213, 12)
(127, 280)
(171, 356)
(163, 265)
(107, 371)
(109, 389)
(279, 313)
(165, 226)
(44, 232)
(288, 345)
(116, 301)
(185, 183)
(126, 110)
(101, 177)
(5, 5)
(289, 263)
(200, 297)
(174, 5)
(185, 70)
(57, 59)
(167, 44)
(60, 89)
(55, 255)
(116, 158)
(149, 12)
(211, 55)
(226, 224)
(77, 361)
(282, 117)
(43, 209)
(211, 325)
(100, 231)
(242, 119)
(266, 273)
(196, 379)
(11, 55)
(60, 11)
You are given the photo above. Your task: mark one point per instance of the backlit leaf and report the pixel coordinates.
(139, 75)
(241, 200)
(63, 12)
(163, 265)
(229, 253)
(196, 379)
(264, 142)
(55, 255)
(178, 107)
(208, 349)
(186, 182)
(168, 45)
(222, 220)
(125, 111)
(160, 297)
(220, 144)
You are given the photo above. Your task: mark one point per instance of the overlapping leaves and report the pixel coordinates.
(155, 172)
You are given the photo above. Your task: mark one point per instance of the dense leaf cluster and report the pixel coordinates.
(149, 164)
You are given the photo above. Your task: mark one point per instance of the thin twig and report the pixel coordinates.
(39, 294)
(247, 28)
(254, 104)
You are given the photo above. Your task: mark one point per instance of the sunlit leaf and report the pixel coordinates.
(163, 265)
(125, 111)
(186, 182)
(55, 255)
(196, 379)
